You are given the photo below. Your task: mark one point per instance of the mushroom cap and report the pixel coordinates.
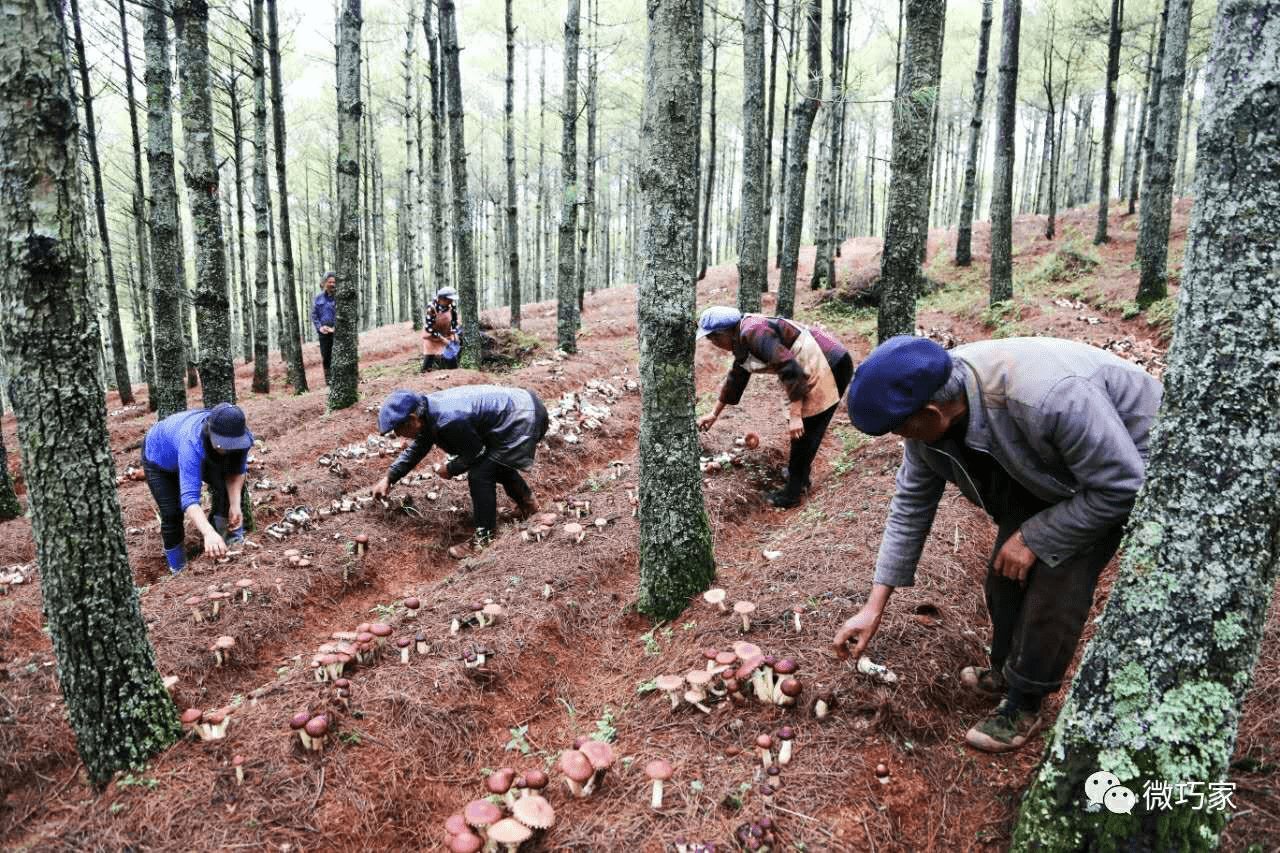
(785, 667)
(535, 779)
(774, 770)
(692, 696)
(669, 682)
(362, 539)
(499, 781)
(751, 441)
(725, 658)
(546, 519)
(318, 726)
(745, 650)
(244, 583)
(194, 601)
(785, 733)
(791, 687)
(292, 552)
(215, 718)
(299, 720)
(599, 753)
(713, 596)
(465, 842)
(575, 765)
(191, 716)
(237, 761)
(363, 628)
(364, 637)
(698, 678)
(534, 811)
(224, 642)
(710, 653)
(882, 770)
(572, 529)
(764, 742)
(509, 831)
(455, 825)
(481, 813)
(380, 629)
(658, 770)
(749, 665)
(403, 642)
(744, 607)
(342, 683)
(492, 610)
(412, 603)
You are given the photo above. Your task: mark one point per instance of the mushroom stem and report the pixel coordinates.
(746, 623)
(784, 752)
(574, 788)
(820, 709)
(306, 739)
(766, 757)
(546, 590)
(453, 627)
(758, 682)
(796, 620)
(239, 775)
(404, 655)
(656, 800)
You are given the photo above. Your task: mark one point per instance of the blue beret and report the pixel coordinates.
(398, 406)
(895, 382)
(717, 318)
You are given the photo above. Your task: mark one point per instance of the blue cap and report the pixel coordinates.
(717, 318)
(329, 275)
(895, 382)
(226, 428)
(398, 406)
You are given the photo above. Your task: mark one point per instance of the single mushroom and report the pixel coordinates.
(575, 531)
(411, 606)
(480, 814)
(362, 545)
(764, 743)
(577, 771)
(790, 688)
(238, 764)
(380, 631)
(171, 684)
(784, 668)
(404, 644)
(491, 613)
(534, 811)
(751, 440)
(695, 698)
(317, 727)
(245, 585)
(222, 648)
(534, 781)
(658, 772)
(546, 588)
(822, 704)
(420, 643)
(745, 609)
(709, 655)
(796, 611)
(510, 833)
(785, 736)
(715, 597)
(745, 650)
(773, 775)
(191, 718)
(466, 842)
(455, 825)
(214, 725)
(298, 722)
(194, 603)
(500, 782)
(600, 754)
(882, 773)
(671, 685)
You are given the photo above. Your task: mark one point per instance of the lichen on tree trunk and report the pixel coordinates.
(675, 552)
(1002, 172)
(344, 372)
(1159, 691)
(753, 225)
(964, 233)
(117, 704)
(261, 216)
(802, 116)
(566, 280)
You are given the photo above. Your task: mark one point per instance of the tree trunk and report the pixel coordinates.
(462, 239)
(1150, 103)
(566, 282)
(513, 224)
(1186, 134)
(539, 224)
(290, 336)
(237, 137)
(409, 232)
(786, 132)
(823, 257)
(344, 373)
(166, 252)
(213, 313)
(768, 143)
(382, 295)
(1158, 694)
(753, 226)
(704, 232)
(964, 237)
(909, 190)
(675, 551)
(146, 347)
(419, 187)
(261, 218)
(119, 359)
(1157, 192)
(1002, 171)
(116, 702)
(798, 163)
(1109, 118)
(586, 220)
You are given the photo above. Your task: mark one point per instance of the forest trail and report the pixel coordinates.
(412, 748)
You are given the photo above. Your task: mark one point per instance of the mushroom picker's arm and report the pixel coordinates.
(411, 456)
(460, 439)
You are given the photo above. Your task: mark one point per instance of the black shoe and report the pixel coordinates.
(782, 499)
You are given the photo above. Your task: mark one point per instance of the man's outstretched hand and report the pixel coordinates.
(381, 488)
(858, 629)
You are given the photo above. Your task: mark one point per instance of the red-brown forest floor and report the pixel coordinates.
(413, 746)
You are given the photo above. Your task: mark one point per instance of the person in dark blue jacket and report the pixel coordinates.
(491, 432)
(324, 311)
(184, 450)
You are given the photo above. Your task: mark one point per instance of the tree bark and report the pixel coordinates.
(780, 229)
(1159, 690)
(513, 223)
(462, 236)
(1180, 186)
(409, 232)
(586, 219)
(261, 218)
(344, 373)
(767, 214)
(116, 701)
(798, 163)
(167, 261)
(1157, 194)
(213, 312)
(119, 358)
(566, 282)
(753, 225)
(539, 224)
(1109, 118)
(824, 253)
(1002, 171)
(237, 136)
(290, 335)
(675, 551)
(1150, 104)
(909, 190)
(704, 232)
(964, 236)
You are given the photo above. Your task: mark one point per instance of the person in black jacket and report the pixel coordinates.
(491, 432)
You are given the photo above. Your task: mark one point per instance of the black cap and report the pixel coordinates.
(226, 428)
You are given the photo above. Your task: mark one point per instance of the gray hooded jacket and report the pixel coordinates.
(1066, 420)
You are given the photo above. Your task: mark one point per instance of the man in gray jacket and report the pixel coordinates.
(1050, 438)
(491, 432)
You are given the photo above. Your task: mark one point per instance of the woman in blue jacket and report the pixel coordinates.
(184, 450)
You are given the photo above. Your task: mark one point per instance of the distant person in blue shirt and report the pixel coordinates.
(491, 432)
(184, 450)
(323, 314)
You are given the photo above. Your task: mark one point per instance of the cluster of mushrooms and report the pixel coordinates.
(739, 674)
(312, 728)
(360, 645)
(207, 725)
(585, 766)
(481, 614)
(485, 824)
(218, 596)
(725, 461)
(544, 523)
